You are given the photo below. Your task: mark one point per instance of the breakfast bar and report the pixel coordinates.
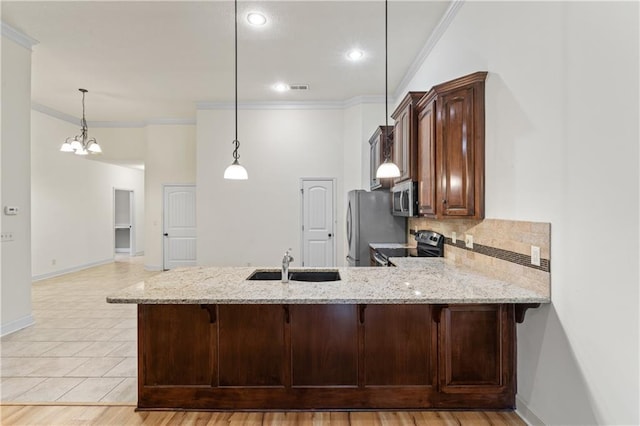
(427, 334)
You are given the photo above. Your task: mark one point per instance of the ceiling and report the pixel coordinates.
(150, 60)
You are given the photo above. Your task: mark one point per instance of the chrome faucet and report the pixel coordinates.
(285, 266)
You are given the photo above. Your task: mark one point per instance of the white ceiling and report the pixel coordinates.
(149, 60)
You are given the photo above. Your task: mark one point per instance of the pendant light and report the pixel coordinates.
(81, 144)
(235, 171)
(388, 168)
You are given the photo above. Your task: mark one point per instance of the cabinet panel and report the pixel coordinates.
(324, 345)
(476, 348)
(427, 156)
(379, 143)
(252, 345)
(457, 150)
(163, 358)
(399, 345)
(405, 144)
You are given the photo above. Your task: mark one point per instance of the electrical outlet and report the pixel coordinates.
(535, 255)
(7, 236)
(454, 237)
(53, 262)
(468, 240)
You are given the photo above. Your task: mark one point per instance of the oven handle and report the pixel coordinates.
(379, 260)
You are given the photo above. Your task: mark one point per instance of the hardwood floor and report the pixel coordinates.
(53, 415)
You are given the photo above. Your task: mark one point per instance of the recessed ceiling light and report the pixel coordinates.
(280, 87)
(355, 54)
(256, 18)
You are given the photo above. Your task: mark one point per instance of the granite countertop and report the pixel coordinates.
(415, 280)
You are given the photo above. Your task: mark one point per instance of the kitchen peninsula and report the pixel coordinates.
(427, 334)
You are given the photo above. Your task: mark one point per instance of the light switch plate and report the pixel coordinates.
(468, 240)
(535, 255)
(454, 237)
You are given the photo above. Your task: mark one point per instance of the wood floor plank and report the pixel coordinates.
(63, 415)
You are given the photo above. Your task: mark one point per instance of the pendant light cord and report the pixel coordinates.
(387, 147)
(235, 22)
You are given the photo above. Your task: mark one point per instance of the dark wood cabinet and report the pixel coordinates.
(451, 149)
(380, 145)
(324, 345)
(405, 133)
(477, 350)
(251, 345)
(399, 345)
(326, 356)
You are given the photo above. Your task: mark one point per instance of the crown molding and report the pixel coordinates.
(55, 113)
(116, 124)
(171, 121)
(18, 36)
(283, 105)
(435, 36)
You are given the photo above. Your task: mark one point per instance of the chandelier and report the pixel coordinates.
(81, 144)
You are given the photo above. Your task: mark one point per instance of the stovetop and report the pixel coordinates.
(398, 252)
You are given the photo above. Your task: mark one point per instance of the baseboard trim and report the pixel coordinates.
(123, 250)
(16, 325)
(140, 253)
(72, 269)
(152, 268)
(522, 410)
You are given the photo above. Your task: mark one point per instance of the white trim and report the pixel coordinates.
(72, 269)
(152, 268)
(526, 414)
(15, 325)
(123, 250)
(139, 253)
(171, 121)
(271, 105)
(55, 113)
(18, 36)
(117, 124)
(440, 28)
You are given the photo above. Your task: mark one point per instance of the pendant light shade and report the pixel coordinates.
(235, 171)
(81, 144)
(388, 169)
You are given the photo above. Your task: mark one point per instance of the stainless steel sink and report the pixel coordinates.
(306, 276)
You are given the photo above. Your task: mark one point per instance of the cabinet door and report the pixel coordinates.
(324, 345)
(402, 144)
(374, 163)
(477, 354)
(457, 151)
(163, 358)
(252, 350)
(427, 158)
(399, 345)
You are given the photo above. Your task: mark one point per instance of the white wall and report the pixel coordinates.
(562, 147)
(15, 169)
(72, 202)
(170, 158)
(255, 221)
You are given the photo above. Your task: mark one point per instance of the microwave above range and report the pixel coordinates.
(405, 199)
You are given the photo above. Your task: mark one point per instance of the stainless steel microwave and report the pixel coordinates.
(405, 199)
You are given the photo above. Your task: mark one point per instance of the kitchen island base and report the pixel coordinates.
(326, 356)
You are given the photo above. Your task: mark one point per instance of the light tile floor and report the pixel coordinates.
(81, 349)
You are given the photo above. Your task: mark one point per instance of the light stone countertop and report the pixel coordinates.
(392, 245)
(417, 280)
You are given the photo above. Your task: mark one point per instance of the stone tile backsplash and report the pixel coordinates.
(501, 248)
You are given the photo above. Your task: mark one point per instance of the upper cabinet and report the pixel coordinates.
(405, 145)
(450, 139)
(379, 146)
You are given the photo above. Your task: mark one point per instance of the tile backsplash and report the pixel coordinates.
(501, 248)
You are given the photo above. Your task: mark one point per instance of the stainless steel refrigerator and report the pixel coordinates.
(369, 220)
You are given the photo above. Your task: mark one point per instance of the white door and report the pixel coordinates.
(318, 222)
(179, 226)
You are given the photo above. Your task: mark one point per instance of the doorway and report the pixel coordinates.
(318, 222)
(124, 221)
(179, 226)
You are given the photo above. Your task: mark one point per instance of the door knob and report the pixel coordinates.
(166, 235)
(330, 235)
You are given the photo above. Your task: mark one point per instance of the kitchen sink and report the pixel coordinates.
(306, 276)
